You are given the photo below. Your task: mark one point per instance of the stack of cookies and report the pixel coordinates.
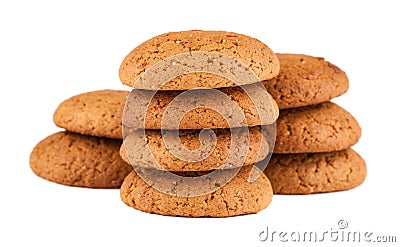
(199, 134)
(87, 153)
(312, 152)
(193, 135)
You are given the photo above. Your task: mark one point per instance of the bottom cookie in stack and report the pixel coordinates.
(237, 197)
(307, 173)
(78, 160)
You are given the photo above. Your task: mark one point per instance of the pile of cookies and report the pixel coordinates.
(196, 143)
(198, 111)
(87, 153)
(312, 151)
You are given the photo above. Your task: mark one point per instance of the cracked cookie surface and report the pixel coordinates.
(305, 80)
(77, 160)
(318, 128)
(96, 113)
(316, 172)
(251, 52)
(237, 197)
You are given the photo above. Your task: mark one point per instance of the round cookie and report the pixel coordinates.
(252, 53)
(97, 113)
(305, 80)
(203, 104)
(77, 160)
(210, 158)
(237, 197)
(315, 172)
(324, 127)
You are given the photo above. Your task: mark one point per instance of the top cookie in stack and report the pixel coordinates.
(252, 53)
(191, 81)
(305, 80)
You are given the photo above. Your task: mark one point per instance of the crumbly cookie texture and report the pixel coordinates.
(210, 109)
(237, 197)
(318, 128)
(305, 80)
(77, 160)
(232, 148)
(252, 53)
(315, 172)
(96, 113)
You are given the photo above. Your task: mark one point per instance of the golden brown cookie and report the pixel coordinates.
(77, 160)
(199, 109)
(232, 149)
(237, 197)
(97, 113)
(318, 128)
(315, 172)
(250, 52)
(305, 80)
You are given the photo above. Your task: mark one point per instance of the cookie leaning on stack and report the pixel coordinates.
(84, 155)
(312, 151)
(238, 196)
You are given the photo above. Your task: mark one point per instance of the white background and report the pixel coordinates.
(50, 51)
